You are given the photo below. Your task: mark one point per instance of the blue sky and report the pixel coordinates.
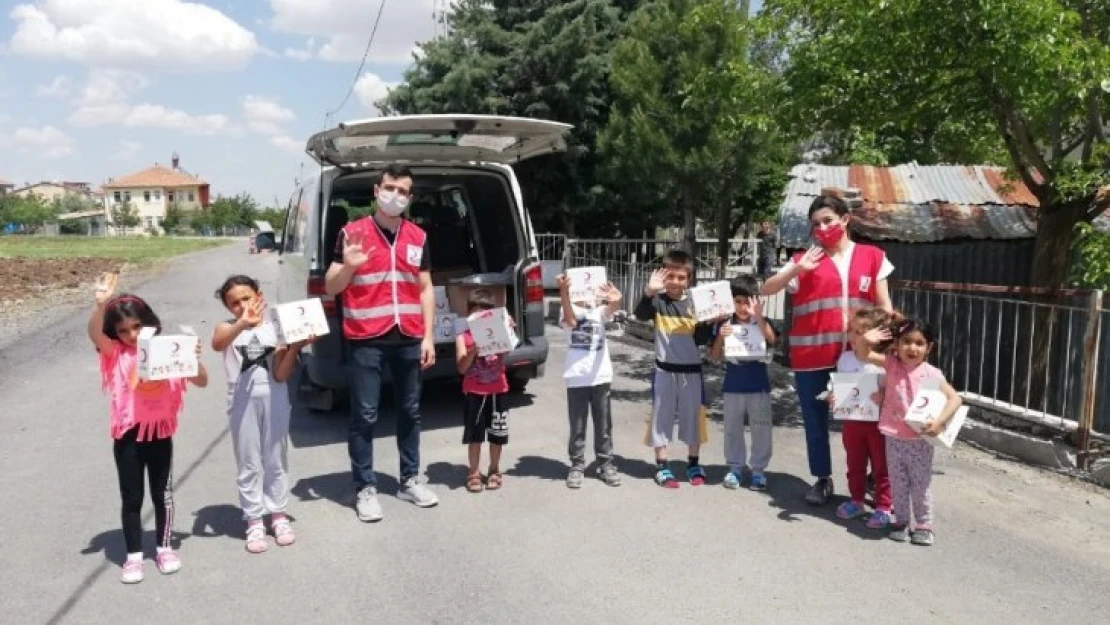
(92, 89)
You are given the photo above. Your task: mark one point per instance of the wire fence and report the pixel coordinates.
(1029, 353)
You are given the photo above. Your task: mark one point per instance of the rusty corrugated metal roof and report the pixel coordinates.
(915, 203)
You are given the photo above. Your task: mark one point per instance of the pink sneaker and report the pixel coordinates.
(167, 561)
(132, 572)
(256, 537)
(283, 531)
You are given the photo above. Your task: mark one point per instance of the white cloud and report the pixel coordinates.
(153, 34)
(127, 149)
(265, 116)
(345, 25)
(369, 88)
(303, 54)
(42, 141)
(158, 116)
(287, 144)
(105, 101)
(60, 87)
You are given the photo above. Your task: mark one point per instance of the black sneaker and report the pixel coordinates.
(820, 492)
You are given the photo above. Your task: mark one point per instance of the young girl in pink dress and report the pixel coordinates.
(143, 422)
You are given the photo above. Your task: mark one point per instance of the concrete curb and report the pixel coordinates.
(1052, 452)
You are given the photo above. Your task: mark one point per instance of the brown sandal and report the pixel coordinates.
(493, 482)
(474, 483)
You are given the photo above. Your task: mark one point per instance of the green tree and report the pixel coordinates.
(687, 130)
(125, 216)
(1023, 82)
(274, 216)
(31, 211)
(174, 219)
(534, 58)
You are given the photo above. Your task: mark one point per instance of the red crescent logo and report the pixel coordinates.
(142, 355)
(489, 333)
(586, 276)
(855, 392)
(744, 332)
(176, 347)
(924, 402)
(300, 310)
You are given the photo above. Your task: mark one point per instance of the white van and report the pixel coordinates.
(465, 196)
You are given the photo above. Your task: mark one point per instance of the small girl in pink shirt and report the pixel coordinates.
(485, 415)
(909, 457)
(143, 422)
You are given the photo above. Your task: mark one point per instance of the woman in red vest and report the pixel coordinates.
(826, 284)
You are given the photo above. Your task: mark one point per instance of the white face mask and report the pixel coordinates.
(391, 203)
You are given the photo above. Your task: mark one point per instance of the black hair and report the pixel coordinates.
(394, 171)
(908, 325)
(678, 259)
(831, 202)
(234, 281)
(744, 286)
(126, 306)
(479, 299)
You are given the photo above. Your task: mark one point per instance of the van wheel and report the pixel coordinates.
(517, 384)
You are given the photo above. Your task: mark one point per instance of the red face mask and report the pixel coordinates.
(830, 235)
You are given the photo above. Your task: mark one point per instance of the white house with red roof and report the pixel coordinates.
(153, 190)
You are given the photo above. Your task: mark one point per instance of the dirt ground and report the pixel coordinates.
(35, 292)
(26, 279)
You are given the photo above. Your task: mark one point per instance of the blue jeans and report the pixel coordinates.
(365, 370)
(815, 415)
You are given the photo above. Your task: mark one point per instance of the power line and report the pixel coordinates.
(361, 64)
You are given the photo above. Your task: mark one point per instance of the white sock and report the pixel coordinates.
(135, 557)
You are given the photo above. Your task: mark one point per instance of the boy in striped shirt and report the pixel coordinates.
(677, 385)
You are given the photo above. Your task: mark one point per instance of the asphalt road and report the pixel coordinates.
(1015, 545)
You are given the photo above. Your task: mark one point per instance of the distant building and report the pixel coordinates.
(5, 186)
(55, 191)
(153, 190)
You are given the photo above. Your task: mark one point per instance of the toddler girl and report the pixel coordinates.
(909, 456)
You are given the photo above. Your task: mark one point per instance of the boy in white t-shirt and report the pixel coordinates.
(588, 373)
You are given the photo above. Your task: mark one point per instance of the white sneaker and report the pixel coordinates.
(415, 491)
(367, 506)
(132, 572)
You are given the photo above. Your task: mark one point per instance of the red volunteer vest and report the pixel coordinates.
(817, 335)
(385, 292)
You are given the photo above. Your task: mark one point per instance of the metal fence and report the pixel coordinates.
(629, 263)
(1031, 353)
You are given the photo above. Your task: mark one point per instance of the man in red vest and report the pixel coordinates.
(388, 312)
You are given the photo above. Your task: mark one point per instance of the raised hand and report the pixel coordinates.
(811, 259)
(876, 336)
(252, 312)
(106, 287)
(610, 293)
(657, 282)
(726, 329)
(355, 254)
(757, 307)
(563, 282)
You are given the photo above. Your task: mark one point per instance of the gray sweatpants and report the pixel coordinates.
(581, 402)
(757, 408)
(259, 415)
(676, 397)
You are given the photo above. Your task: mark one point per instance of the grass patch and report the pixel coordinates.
(128, 249)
